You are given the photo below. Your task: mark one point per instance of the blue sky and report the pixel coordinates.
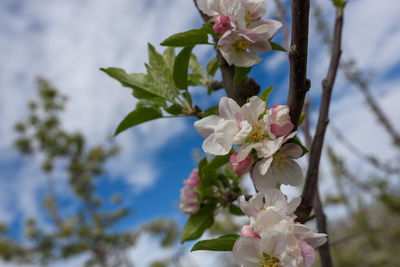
(67, 41)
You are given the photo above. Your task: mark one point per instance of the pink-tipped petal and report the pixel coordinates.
(247, 232)
(308, 253)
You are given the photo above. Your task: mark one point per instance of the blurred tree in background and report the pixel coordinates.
(89, 230)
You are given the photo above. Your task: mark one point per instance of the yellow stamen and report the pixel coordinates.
(269, 261)
(256, 134)
(278, 158)
(241, 45)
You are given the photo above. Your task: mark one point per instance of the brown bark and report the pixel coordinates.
(298, 83)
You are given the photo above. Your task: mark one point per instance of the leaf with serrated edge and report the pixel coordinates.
(139, 81)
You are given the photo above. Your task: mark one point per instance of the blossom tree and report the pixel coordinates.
(243, 134)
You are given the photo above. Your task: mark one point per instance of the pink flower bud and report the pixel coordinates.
(188, 200)
(222, 24)
(280, 120)
(193, 179)
(240, 167)
(247, 232)
(308, 253)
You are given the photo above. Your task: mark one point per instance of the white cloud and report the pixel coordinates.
(67, 42)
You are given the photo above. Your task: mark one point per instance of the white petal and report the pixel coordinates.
(220, 142)
(252, 110)
(248, 208)
(228, 108)
(276, 200)
(262, 182)
(235, 11)
(207, 125)
(292, 205)
(312, 238)
(292, 150)
(241, 59)
(269, 147)
(244, 150)
(241, 136)
(288, 172)
(247, 251)
(209, 7)
(265, 165)
(270, 220)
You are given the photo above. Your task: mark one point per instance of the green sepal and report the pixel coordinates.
(277, 47)
(210, 111)
(235, 210)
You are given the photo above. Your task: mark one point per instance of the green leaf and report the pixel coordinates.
(144, 86)
(138, 116)
(301, 119)
(208, 27)
(188, 38)
(223, 243)
(339, 3)
(210, 111)
(212, 67)
(265, 94)
(197, 77)
(235, 210)
(156, 60)
(181, 67)
(202, 164)
(198, 223)
(240, 74)
(174, 109)
(219, 161)
(277, 47)
(169, 56)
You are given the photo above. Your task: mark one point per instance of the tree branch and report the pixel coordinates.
(355, 76)
(324, 251)
(310, 187)
(281, 14)
(298, 83)
(247, 88)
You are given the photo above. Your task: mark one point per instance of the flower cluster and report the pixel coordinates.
(253, 127)
(241, 44)
(188, 201)
(273, 238)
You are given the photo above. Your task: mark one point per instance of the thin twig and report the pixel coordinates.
(281, 14)
(298, 83)
(363, 156)
(355, 235)
(324, 251)
(305, 126)
(310, 187)
(355, 76)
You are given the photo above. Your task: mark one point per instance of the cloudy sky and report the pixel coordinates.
(67, 41)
